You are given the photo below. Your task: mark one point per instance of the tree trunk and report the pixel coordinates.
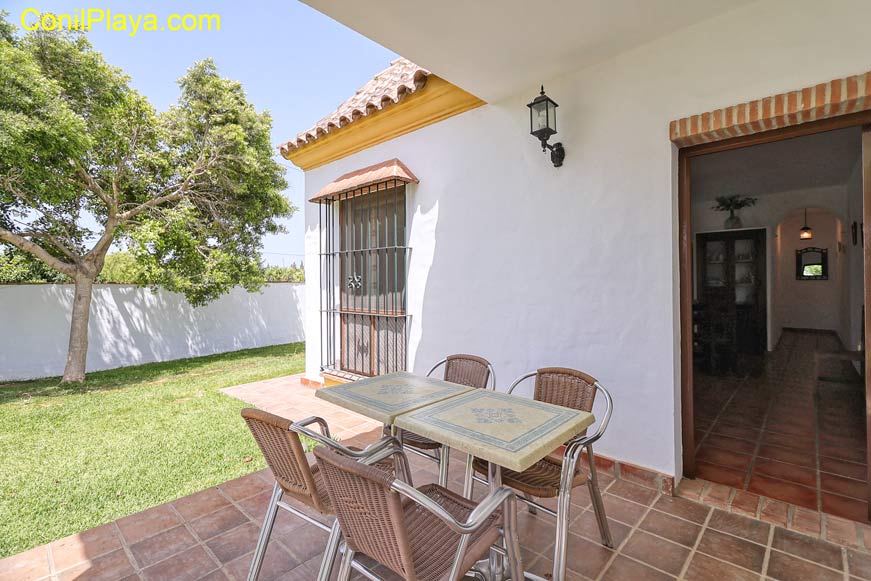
(77, 353)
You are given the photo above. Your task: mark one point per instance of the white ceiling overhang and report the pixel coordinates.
(499, 48)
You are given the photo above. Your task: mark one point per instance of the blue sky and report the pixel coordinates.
(291, 59)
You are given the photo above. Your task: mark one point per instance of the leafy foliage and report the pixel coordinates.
(120, 267)
(732, 203)
(292, 273)
(18, 267)
(190, 191)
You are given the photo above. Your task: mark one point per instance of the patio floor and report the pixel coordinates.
(211, 534)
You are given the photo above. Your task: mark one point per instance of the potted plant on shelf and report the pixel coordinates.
(732, 204)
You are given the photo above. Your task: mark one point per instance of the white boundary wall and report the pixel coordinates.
(132, 325)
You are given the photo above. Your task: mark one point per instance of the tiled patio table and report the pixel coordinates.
(387, 396)
(505, 430)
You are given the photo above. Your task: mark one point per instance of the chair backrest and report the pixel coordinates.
(285, 455)
(369, 512)
(468, 370)
(566, 387)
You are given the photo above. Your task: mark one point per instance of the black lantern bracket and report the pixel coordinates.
(542, 126)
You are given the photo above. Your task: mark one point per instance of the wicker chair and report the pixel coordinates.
(555, 478)
(468, 370)
(279, 441)
(422, 534)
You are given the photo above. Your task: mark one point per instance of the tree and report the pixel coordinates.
(18, 267)
(86, 161)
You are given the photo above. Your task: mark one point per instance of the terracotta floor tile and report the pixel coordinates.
(685, 509)
(845, 507)
(732, 549)
(189, 565)
(585, 557)
(721, 475)
(859, 564)
(220, 521)
(304, 542)
(785, 567)
(276, 563)
(536, 532)
(109, 567)
(632, 492)
(622, 568)
(783, 490)
(800, 443)
(623, 510)
(732, 444)
(740, 526)
(162, 545)
(843, 468)
(797, 457)
(244, 487)
(659, 553)
(671, 528)
(783, 471)
(32, 564)
(235, 543)
(704, 568)
(740, 432)
(200, 504)
(843, 486)
(147, 523)
(807, 548)
(588, 527)
(85, 545)
(850, 453)
(725, 458)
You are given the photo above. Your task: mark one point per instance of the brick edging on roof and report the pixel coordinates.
(825, 100)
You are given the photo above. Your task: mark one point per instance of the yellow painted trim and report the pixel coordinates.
(435, 101)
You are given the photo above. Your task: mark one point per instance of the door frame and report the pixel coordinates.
(685, 261)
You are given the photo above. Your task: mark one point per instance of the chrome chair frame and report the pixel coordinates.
(442, 457)
(275, 501)
(503, 498)
(571, 456)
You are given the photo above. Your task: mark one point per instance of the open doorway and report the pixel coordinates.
(776, 288)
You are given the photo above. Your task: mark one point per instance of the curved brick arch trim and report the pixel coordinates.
(832, 99)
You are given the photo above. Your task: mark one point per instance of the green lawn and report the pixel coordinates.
(75, 457)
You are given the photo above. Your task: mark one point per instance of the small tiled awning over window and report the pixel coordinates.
(366, 180)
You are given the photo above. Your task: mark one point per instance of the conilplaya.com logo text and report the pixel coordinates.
(85, 19)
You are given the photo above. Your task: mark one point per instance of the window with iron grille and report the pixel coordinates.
(363, 261)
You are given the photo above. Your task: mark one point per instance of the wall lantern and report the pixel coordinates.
(806, 233)
(542, 124)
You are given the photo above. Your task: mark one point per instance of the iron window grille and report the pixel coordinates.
(363, 273)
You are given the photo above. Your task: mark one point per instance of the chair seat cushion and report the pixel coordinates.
(418, 441)
(433, 544)
(542, 479)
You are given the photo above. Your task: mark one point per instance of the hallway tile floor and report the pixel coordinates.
(772, 436)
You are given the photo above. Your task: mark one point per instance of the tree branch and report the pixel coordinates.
(38, 251)
(91, 184)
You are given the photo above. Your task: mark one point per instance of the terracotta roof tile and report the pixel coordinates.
(367, 176)
(391, 85)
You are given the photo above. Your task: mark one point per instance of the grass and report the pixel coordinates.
(74, 457)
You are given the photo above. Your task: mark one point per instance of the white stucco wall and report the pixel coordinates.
(132, 325)
(531, 266)
(812, 304)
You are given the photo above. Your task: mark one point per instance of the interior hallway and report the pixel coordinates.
(767, 434)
